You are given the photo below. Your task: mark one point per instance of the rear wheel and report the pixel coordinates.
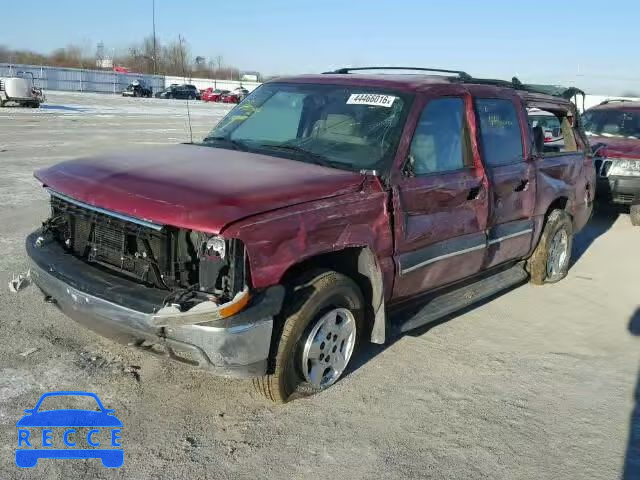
(319, 331)
(634, 213)
(550, 260)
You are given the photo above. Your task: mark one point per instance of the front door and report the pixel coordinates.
(440, 200)
(511, 176)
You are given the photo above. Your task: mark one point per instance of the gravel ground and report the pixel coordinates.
(538, 383)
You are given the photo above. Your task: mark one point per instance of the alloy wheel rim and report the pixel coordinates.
(328, 347)
(558, 253)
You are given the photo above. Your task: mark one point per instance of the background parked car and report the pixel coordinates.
(137, 88)
(235, 96)
(184, 92)
(192, 88)
(213, 95)
(613, 128)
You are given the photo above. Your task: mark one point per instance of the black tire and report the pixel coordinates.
(537, 264)
(135, 93)
(308, 298)
(634, 214)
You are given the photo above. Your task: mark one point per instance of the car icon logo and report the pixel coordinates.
(63, 433)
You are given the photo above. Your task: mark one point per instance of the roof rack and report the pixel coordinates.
(459, 73)
(553, 90)
(615, 100)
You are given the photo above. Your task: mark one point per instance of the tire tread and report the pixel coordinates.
(537, 263)
(272, 385)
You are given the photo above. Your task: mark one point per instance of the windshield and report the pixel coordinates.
(345, 127)
(612, 123)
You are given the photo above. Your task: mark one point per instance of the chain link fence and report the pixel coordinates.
(81, 80)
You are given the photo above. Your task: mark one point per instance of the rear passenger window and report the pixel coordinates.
(500, 133)
(439, 140)
(553, 131)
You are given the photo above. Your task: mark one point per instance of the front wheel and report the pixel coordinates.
(315, 338)
(550, 260)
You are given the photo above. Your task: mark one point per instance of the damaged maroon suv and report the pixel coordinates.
(317, 207)
(613, 128)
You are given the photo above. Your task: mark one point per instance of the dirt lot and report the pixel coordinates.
(538, 383)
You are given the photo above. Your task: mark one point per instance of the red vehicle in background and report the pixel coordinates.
(213, 95)
(234, 97)
(613, 128)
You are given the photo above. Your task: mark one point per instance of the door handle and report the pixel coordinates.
(473, 193)
(522, 186)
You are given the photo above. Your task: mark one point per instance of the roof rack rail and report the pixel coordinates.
(459, 73)
(614, 100)
(553, 90)
(515, 83)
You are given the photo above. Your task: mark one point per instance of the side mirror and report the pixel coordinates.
(28, 410)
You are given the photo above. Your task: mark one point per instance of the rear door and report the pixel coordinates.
(502, 130)
(440, 196)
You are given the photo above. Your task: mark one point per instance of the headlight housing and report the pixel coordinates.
(625, 167)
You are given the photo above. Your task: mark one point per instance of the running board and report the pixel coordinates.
(444, 304)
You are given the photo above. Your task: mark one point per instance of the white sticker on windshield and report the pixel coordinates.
(371, 99)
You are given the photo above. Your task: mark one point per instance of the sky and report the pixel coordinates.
(593, 45)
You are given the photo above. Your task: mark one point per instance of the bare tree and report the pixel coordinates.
(147, 56)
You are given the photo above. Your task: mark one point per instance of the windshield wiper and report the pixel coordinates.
(229, 141)
(312, 156)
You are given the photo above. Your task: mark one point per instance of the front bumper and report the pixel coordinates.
(123, 310)
(616, 189)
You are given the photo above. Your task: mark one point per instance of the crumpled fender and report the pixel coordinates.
(279, 239)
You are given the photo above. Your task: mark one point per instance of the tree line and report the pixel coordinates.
(165, 58)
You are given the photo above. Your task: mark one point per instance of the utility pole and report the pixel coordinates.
(153, 13)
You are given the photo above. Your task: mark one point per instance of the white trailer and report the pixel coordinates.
(20, 90)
